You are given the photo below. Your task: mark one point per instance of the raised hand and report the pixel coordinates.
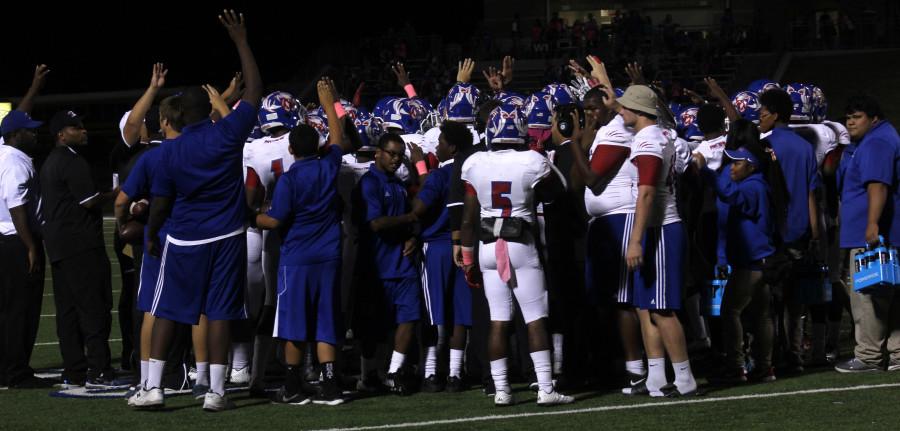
(234, 24)
(635, 73)
(415, 153)
(40, 74)
(235, 88)
(507, 69)
(598, 71)
(494, 78)
(400, 73)
(465, 70)
(158, 78)
(696, 98)
(577, 69)
(324, 90)
(714, 90)
(217, 101)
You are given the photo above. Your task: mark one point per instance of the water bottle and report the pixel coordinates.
(717, 289)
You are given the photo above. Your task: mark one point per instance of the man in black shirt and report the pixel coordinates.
(73, 235)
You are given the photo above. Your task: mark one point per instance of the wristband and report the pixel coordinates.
(421, 167)
(468, 255)
(410, 90)
(339, 109)
(456, 242)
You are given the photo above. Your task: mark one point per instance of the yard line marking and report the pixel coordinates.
(111, 340)
(53, 315)
(50, 294)
(618, 407)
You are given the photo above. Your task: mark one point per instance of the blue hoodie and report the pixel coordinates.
(749, 227)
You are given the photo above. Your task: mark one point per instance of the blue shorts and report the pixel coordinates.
(402, 295)
(200, 277)
(444, 286)
(605, 270)
(309, 303)
(657, 284)
(148, 281)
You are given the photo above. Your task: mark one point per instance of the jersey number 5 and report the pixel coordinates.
(500, 191)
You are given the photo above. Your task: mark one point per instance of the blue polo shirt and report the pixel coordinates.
(798, 162)
(305, 202)
(748, 225)
(202, 170)
(377, 195)
(876, 159)
(434, 193)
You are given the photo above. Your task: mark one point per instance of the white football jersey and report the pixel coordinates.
(651, 141)
(843, 136)
(823, 139)
(270, 158)
(683, 150)
(618, 197)
(430, 140)
(504, 181)
(350, 173)
(713, 151)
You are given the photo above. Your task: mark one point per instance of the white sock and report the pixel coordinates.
(145, 370)
(217, 378)
(431, 361)
(684, 378)
(203, 373)
(656, 375)
(557, 354)
(456, 359)
(636, 367)
(498, 372)
(396, 361)
(154, 373)
(240, 355)
(541, 360)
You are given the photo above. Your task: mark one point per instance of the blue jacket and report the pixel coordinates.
(749, 227)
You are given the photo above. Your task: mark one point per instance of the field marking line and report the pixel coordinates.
(617, 407)
(53, 343)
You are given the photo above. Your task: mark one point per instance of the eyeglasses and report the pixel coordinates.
(392, 154)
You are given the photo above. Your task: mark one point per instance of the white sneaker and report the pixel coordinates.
(147, 399)
(214, 402)
(553, 398)
(240, 377)
(503, 398)
(192, 374)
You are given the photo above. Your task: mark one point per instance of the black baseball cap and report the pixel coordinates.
(63, 119)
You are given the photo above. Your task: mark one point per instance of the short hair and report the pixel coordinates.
(864, 103)
(304, 140)
(595, 92)
(777, 101)
(710, 118)
(484, 114)
(389, 137)
(170, 110)
(457, 134)
(742, 133)
(195, 104)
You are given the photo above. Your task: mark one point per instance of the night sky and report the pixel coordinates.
(114, 48)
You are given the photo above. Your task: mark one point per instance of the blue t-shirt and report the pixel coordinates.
(876, 159)
(137, 185)
(798, 162)
(305, 202)
(436, 223)
(202, 170)
(377, 195)
(749, 227)
(722, 210)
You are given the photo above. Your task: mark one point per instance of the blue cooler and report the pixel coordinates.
(875, 270)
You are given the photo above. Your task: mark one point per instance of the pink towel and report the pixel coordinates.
(503, 266)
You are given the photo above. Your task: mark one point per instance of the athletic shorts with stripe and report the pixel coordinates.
(658, 282)
(606, 271)
(309, 303)
(447, 296)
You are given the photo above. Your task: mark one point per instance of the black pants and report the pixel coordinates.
(127, 297)
(21, 294)
(83, 294)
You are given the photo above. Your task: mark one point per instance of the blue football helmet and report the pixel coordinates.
(382, 104)
(820, 105)
(762, 85)
(539, 110)
(506, 125)
(686, 123)
(511, 97)
(279, 109)
(561, 93)
(462, 102)
(318, 122)
(619, 92)
(404, 114)
(801, 97)
(747, 104)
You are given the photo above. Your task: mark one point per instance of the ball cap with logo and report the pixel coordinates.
(16, 120)
(63, 119)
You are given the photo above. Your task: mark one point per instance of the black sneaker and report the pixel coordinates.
(31, 382)
(855, 366)
(330, 394)
(455, 384)
(489, 388)
(397, 385)
(637, 385)
(432, 384)
(284, 396)
(104, 380)
(370, 383)
(762, 375)
(258, 392)
(728, 376)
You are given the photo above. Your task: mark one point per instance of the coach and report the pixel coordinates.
(870, 204)
(73, 234)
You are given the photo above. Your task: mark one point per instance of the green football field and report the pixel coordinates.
(818, 399)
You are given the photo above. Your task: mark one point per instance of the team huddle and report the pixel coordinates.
(273, 227)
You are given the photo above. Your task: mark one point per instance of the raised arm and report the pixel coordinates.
(132, 129)
(234, 24)
(719, 94)
(37, 83)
